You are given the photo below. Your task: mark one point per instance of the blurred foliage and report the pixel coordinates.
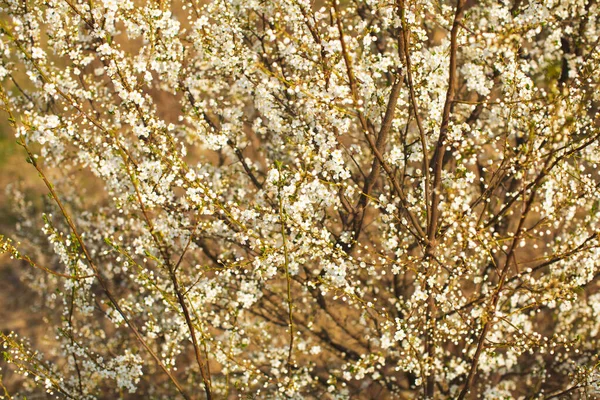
(8, 147)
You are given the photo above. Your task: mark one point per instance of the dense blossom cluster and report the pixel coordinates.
(307, 199)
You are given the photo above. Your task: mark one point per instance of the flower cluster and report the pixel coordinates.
(298, 199)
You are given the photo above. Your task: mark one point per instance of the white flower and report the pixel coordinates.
(37, 53)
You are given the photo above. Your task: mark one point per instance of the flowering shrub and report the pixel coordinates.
(307, 199)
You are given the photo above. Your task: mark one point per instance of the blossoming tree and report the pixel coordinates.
(307, 199)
